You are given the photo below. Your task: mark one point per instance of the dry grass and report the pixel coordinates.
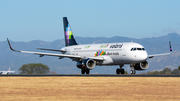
(89, 88)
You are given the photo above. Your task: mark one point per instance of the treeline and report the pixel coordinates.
(166, 71)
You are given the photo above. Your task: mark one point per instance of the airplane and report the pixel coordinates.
(88, 56)
(6, 72)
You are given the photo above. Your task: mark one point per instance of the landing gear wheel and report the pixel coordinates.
(83, 71)
(133, 72)
(118, 71)
(122, 71)
(87, 71)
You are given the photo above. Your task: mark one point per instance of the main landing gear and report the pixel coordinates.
(83, 71)
(120, 70)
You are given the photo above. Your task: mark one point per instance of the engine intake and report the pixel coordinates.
(90, 64)
(141, 66)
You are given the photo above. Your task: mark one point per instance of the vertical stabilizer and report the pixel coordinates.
(69, 38)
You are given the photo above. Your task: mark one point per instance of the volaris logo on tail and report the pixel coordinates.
(68, 33)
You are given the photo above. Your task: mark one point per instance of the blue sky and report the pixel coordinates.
(26, 20)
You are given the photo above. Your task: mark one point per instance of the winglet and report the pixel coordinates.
(170, 46)
(11, 47)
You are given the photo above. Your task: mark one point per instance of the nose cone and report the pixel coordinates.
(140, 56)
(143, 56)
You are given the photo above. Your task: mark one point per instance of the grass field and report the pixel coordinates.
(89, 88)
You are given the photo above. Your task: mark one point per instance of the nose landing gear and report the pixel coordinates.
(133, 70)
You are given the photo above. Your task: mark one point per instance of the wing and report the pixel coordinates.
(62, 51)
(151, 56)
(73, 57)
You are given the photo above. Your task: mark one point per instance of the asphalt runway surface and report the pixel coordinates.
(89, 75)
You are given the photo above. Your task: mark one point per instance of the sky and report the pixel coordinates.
(27, 20)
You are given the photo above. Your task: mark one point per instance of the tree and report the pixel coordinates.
(166, 71)
(32, 68)
(179, 68)
(150, 72)
(125, 72)
(175, 71)
(156, 72)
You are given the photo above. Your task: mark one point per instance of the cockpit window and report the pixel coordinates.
(137, 49)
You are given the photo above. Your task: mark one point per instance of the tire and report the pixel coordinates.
(122, 71)
(118, 71)
(133, 72)
(87, 71)
(82, 71)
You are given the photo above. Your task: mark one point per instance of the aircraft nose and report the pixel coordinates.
(143, 56)
(140, 57)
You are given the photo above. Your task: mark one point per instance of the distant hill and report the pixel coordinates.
(153, 45)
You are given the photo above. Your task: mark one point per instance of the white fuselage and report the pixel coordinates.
(113, 53)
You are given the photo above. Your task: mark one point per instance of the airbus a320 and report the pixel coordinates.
(88, 56)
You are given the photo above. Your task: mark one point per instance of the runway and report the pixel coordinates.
(89, 75)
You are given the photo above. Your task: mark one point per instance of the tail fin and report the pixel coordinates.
(9, 69)
(69, 38)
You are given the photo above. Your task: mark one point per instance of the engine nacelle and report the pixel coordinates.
(87, 63)
(79, 65)
(141, 66)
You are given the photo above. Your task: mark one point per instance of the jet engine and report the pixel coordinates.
(87, 63)
(141, 66)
